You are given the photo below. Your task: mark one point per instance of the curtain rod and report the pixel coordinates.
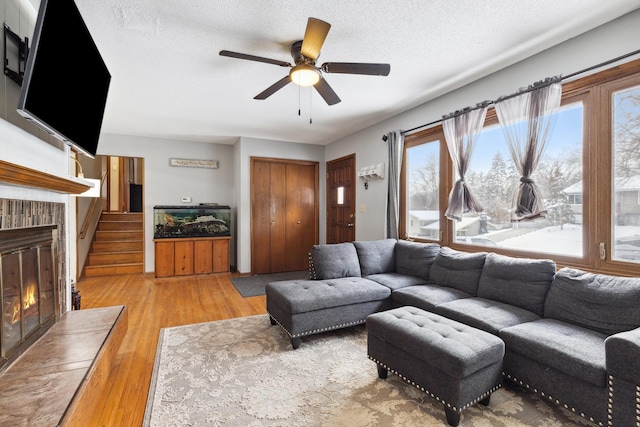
(530, 88)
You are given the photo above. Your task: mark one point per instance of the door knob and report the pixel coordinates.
(350, 225)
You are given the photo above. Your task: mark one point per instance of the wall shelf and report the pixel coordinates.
(13, 174)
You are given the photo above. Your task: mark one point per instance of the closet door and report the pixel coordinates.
(301, 219)
(284, 214)
(260, 217)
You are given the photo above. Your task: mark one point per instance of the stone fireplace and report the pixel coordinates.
(32, 273)
(28, 287)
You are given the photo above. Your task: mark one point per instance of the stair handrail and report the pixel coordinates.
(92, 208)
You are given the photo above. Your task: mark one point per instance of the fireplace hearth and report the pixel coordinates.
(28, 288)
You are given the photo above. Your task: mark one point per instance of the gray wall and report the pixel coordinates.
(246, 148)
(227, 185)
(230, 183)
(24, 144)
(166, 185)
(601, 44)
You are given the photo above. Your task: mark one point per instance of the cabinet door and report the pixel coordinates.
(165, 256)
(202, 256)
(221, 256)
(184, 258)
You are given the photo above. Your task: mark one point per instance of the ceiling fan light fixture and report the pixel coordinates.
(305, 75)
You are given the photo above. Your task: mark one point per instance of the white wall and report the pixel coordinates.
(601, 44)
(246, 148)
(166, 185)
(24, 144)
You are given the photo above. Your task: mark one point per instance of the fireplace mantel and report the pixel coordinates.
(13, 174)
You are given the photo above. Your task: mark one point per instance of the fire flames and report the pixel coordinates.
(28, 299)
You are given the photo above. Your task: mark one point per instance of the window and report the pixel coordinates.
(340, 196)
(589, 176)
(626, 174)
(575, 199)
(422, 206)
(493, 179)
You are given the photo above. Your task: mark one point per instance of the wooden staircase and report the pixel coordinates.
(117, 246)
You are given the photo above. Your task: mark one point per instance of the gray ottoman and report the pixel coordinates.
(454, 363)
(305, 307)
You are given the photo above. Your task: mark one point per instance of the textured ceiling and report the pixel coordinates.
(169, 81)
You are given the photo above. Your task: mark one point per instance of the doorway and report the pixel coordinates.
(341, 199)
(124, 182)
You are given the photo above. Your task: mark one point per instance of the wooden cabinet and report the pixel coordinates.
(183, 257)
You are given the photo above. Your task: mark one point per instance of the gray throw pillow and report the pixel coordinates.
(333, 261)
(376, 256)
(415, 258)
(459, 270)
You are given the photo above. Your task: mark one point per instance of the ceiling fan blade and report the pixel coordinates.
(253, 58)
(314, 36)
(273, 88)
(356, 68)
(326, 92)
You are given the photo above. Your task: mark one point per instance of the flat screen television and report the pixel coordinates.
(66, 81)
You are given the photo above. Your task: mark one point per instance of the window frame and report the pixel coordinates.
(594, 91)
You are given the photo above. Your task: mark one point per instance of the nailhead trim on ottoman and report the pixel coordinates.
(457, 365)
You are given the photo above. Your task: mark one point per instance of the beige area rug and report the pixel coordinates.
(243, 372)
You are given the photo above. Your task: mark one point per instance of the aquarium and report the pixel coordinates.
(191, 221)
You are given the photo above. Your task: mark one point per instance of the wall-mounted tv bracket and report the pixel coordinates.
(23, 53)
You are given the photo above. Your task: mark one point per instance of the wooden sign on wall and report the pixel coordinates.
(193, 163)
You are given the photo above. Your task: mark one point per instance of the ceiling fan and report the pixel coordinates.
(305, 53)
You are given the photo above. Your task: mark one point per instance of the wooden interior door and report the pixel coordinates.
(301, 222)
(341, 200)
(284, 214)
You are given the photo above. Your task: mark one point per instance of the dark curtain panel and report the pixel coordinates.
(395, 141)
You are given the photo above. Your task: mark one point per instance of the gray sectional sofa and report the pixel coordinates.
(569, 335)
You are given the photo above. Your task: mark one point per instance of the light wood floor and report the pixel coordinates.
(154, 304)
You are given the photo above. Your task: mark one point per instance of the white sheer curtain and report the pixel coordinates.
(460, 132)
(527, 121)
(395, 141)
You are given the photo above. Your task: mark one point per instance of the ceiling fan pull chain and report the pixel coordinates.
(310, 111)
(299, 97)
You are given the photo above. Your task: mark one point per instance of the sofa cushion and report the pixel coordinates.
(426, 297)
(376, 256)
(571, 349)
(333, 261)
(414, 258)
(488, 315)
(596, 301)
(459, 270)
(301, 296)
(396, 280)
(517, 281)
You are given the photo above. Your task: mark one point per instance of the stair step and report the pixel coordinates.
(119, 225)
(120, 236)
(122, 216)
(117, 246)
(110, 258)
(110, 270)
